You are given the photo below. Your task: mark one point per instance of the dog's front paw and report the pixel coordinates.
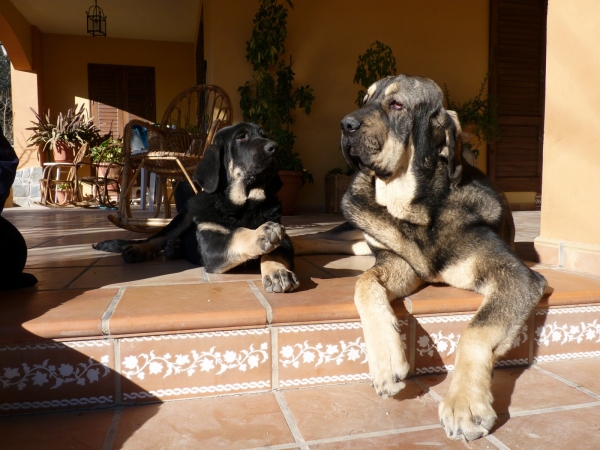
(133, 255)
(387, 360)
(466, 413)
(173, 249)
(270, 236)
(280, 280)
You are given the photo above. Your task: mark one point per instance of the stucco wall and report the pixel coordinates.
(446, 41)
(571, 172)
(65, 60)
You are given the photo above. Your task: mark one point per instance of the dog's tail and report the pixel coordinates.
(116, 245)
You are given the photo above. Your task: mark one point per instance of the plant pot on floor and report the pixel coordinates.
(288, 194)
(63, 151)
(63, 197)
(115, 172)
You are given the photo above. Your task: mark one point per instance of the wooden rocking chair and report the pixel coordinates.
(174, 150)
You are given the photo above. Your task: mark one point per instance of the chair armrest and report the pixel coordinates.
(127, 133)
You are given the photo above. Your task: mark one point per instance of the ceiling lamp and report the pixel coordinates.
(96, 21)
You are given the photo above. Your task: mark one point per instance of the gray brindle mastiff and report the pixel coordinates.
(430, 218)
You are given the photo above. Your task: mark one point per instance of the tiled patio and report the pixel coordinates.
(213, 361)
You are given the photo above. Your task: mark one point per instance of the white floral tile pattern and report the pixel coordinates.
(191, 365)
(323, 354)
(437, 339)
(566, 333)
(52, 375)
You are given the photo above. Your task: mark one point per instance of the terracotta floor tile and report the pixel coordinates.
(66, 256)
(519, 389)
(332, 411)
(569, 289)
(54, 278)
(442, 299)
(140, 275)
(342, 265)
(316, 300)
(87, 236)
(186, 307)
(32, 315)
(231, 422)
(434, 438)
(583, 372)
(574, 429)
(58, 431)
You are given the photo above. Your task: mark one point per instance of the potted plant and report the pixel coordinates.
(107, 157)
(478, 116)
(63, 193)
(336, 185)
(270, 100)
(65, 136)
(376, 63)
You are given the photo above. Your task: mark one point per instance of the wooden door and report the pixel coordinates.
(517, 82)
(119, 94)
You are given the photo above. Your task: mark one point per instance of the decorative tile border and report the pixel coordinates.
(323, 354)
(53, 375)
(195, 364)
(567, 333)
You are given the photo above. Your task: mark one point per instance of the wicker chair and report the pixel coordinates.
(62, 175)
(174, 150)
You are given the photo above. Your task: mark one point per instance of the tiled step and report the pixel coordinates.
(75, 348)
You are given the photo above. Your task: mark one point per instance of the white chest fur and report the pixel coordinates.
(397, 193)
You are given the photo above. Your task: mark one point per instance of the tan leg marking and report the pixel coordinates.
(374, 291)
(249, 244)
(466, 412)
(276, 275)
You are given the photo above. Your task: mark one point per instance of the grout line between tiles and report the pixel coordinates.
(275, 447)
(412, 333)
(570, 383)
(109, 312)
(112, 430)
(373, 434)
(289, 418)
(532, 412)
(437, 397)
(263, 301)
(205, 276)
(274, 358)
(69, 284)
(496, 442)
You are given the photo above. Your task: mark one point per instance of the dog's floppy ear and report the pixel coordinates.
(209, 169)
(449, 124)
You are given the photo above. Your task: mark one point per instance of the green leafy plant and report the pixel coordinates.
(270, 100)
(62, 186)
(376, 63)
(109, 150)
(479, 113)
(73, 128)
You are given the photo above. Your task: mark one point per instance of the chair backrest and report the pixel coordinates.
(194, 116)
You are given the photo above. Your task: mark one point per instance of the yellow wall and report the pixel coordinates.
(15, 35)
(65, 60)
(446, 41)
(571, 180)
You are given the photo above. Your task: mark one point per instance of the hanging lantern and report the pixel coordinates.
(96, 21)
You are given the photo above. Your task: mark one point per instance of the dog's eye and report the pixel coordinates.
(395, 105)
(242, 137)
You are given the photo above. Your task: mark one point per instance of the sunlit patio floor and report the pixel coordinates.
(102, 354)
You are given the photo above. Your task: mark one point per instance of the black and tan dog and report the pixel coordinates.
(430, 218)
(234, 220)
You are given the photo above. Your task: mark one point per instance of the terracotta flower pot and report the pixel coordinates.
(114, 173)
(63, 151)
(288, 194)
(63, 197)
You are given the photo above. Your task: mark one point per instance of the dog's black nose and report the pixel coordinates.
(270, 148)
(350, 124)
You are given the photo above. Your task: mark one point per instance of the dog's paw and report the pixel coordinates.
(133, 255)
(270, 236)
(173, 249)
(280, 280)
(466, 413)
(387, 361)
